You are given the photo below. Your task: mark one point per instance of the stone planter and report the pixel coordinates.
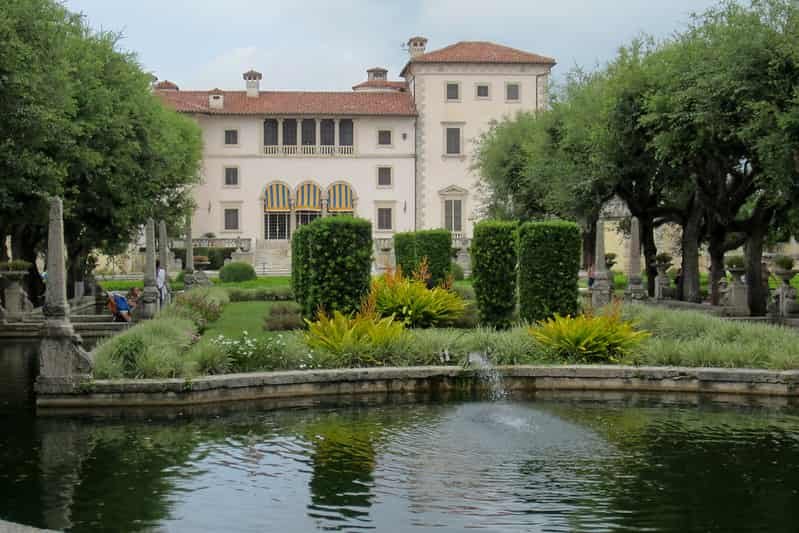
(17, 303)
(785, 275)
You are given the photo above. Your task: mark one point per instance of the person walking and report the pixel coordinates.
(160, 283)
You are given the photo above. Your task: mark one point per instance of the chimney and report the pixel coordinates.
(216, 99)
(376, 73)
(253, 82)
(416, 46)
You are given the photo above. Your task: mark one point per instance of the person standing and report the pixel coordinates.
(160, 283)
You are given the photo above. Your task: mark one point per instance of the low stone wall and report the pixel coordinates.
(54, 394)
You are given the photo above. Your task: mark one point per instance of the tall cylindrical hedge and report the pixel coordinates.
(339, 264)
(435, 244)
(299, 265)
(549, 264)
(494, 256)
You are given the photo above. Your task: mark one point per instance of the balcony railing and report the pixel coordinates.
(308, 150)
(244, 243)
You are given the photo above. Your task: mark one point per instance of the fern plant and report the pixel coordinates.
(409, 301)
(589, 339)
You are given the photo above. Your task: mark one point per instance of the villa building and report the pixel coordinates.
(396, 152)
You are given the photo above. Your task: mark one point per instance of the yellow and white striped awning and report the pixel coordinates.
(276, 198)
(339, 198)
(309, 197)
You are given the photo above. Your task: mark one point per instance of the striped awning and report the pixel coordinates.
(339, 198)
(309, 197)
(276, 197)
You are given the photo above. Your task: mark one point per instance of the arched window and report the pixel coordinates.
(308, 203)
(340, 199)
(277, 212)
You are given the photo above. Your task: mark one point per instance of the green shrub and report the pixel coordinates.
(353, 341)
(15, 265)
(784, 262)
(263, 294)
(210, 358)
(589, 339)
(435, 245)
(470, 317)
(237, 271)
(735, 261)
(338, 265)
(412, 303)
(549, 263)
(300, 254)
(494, 257)
(457, 271)
(207, 302)
(284, 316)
(152, 349)
(466, 292)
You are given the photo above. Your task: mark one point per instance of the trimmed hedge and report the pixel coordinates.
(237, 271)
(216, 256)
(549, 263)
(299, 264)
(336, 258)
(434, 244)
(494, 257)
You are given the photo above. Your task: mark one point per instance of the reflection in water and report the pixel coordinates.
(501, 466)
(18, 370)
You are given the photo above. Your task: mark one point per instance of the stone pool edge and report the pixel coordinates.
(55, 393)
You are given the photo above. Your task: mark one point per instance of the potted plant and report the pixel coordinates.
(736, 265)
(610, 261)
(14, 271)
(783, 268)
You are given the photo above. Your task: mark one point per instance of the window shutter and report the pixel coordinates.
(453, 140)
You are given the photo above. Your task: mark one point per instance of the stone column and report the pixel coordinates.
(280, 134)
(635, 286)
(163, 255)
(318, 131)
(324, 204)
(148, 304)
(61, 355)
(335, 134)
(292, 218)
(188, 267)
(600, 292)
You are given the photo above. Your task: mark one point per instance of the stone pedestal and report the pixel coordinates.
(188, 269)
(148, 303)
(662, 282)
(601, 290)
(635, 284)
(786, 295)
(17, 303)
(737, 299)
(61, 355)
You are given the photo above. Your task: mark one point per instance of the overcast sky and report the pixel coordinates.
(328, 45)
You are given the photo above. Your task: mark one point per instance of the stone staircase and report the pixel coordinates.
(272, 258)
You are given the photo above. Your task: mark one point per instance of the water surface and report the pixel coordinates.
(534, 465)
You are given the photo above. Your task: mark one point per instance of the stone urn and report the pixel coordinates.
(785, 275)
(17, 303)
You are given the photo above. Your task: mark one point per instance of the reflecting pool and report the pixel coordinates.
(544, 464)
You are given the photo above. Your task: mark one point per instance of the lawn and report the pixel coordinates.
(238, 317)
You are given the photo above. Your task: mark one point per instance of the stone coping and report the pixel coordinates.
(55, 393)
(10, 527)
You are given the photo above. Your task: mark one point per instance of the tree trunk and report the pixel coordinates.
(24, 242)
(690, 256)
(3, 251)
(650, 253)
(589, 243)
(757, 291)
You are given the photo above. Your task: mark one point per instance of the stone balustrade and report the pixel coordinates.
(308, 150)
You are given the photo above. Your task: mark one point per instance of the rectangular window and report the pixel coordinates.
(512, 92)
(277, 226)
(232, 137)
(308, 132)
(453, 91)
(384, 177)
(270, 132)
(231, 219)
(306, 217)
(482, 90)
(384, 137)
(231, 177)
(327, 129)
(453, 141)
(384, 217)
(290, 132)
(452, 215)
(345, 132)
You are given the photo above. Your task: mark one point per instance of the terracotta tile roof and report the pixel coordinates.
(382, 84)
(166, 85)
(479, 52)
(294, 103)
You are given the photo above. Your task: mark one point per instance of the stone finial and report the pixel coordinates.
(148, 306)
(55, 298)
(635, 286)
(600, 291)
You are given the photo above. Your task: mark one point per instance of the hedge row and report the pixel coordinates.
(549, 265)
(494, 259)
(216, 256)
(435, 244)
(331, 264)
